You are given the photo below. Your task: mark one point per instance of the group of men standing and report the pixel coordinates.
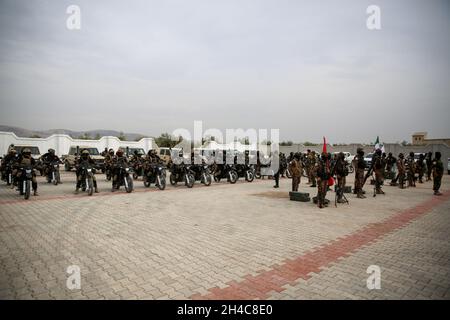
(323, 171)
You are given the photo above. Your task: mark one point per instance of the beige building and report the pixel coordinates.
(420, 139)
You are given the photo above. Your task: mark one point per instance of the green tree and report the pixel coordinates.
(35, 136)
(97, 136)
(286, 143)
(122, 136)
(165, 140)
(309, 144)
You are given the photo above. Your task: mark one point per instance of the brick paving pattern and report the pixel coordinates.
(222, 241)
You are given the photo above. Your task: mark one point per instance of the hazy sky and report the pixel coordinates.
(309, 68)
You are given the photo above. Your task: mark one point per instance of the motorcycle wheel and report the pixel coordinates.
(207, 179)
(146, 182)
(135, 176)
(161, 182)
(190, 180)
(9, 181)
(216, 179)
(258, 175)
(27, 190)
(172, 179)
(90, 186)
(232, 177)
(249, 176)
(129, 185)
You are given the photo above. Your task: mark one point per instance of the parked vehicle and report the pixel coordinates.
(24, 181)
(155, 173)
(247, 172)
(165, 154)
(75, 151)
(368, 159)
(87, 178)
(226, 171)
(202, 173)
(53, 175)
(182, 173)
(124, 177)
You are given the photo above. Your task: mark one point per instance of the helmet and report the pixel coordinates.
(411, 154)
(119, 152)
(360, 151)
(51, 150)
(26, 152)
(85, 153)
(378, 151)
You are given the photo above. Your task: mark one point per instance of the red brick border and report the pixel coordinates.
(259, 286)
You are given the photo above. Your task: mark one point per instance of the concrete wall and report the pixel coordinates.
(62, 143)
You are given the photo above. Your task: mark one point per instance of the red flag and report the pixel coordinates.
(324, 149)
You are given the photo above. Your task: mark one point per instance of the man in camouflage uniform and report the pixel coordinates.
(119, 160)
(311, 168)
(421, 167)
(341, 171)
(295, 167)
(401, 167)
(322, 173)
(377, 166)
(438, 172)
(411, 170)
(47, 160)
(25, 160)
(390, 162)
(10, 157)
(83, 160)
(360, 165)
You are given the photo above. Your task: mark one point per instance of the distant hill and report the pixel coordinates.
(91, 134)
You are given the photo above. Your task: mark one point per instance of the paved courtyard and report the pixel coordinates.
(242, 241)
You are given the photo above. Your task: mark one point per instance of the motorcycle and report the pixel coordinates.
(53, 175)
(246, 171)
(182, 173)
(156, 175)
(124, 177)
(138, 169)
(24, 181)
(87, 179)
(202, 174)
(8, 174)
(229, 172)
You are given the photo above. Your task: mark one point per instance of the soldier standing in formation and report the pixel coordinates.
(295, 167)
(341, 171)
(438, 172)
(312, 165)
(360, 165)
(322, 172)
(378, 168)
(411, 170)
(401, 167)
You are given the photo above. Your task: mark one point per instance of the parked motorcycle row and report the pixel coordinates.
(150, 171)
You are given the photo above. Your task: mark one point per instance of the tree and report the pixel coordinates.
(97, 136)
(309, 144)
(286, 143)
(165, 140)
(35, 136)
(122, 136)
